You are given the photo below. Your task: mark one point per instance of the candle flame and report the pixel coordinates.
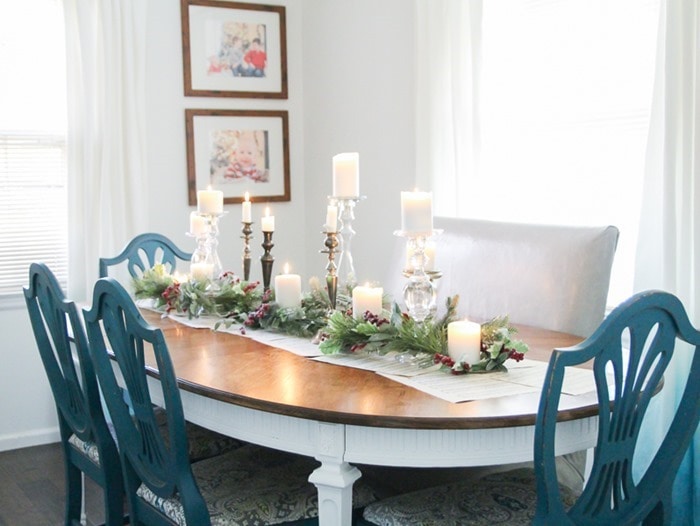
(209, 188)
(247, 196)
(286, 268)
(267, 211)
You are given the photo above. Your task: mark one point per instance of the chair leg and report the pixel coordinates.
(83, 514)
(74, 492)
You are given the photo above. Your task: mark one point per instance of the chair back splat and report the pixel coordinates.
(86, 441)
(631, 351)
(144, 251)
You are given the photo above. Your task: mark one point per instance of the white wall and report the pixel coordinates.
(350, 66)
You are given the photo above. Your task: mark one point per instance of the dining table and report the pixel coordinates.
(344, 416)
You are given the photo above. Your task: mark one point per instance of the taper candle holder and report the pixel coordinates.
(331, 244)
(346, 215)
(247, 236)
(267, 260)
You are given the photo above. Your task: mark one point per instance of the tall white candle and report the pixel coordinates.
(366, 299)
(464, 341)
(417, 213)
(198, 224)
(210, 201)
(288, 289)
(346, 175)
(332, 218)
(246, 215)
(268, 221)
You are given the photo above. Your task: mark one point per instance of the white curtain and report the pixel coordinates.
(448, 40)
(105, 55)
(668, 255)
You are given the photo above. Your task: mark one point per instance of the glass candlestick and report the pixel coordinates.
(346, 264)
(419, 292)
(205, 263)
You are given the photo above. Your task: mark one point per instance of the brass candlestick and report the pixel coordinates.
(331, 244)
(247, 236)
(267, 260)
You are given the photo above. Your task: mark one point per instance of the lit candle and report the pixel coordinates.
(268, 221)
(417, 213)
(366, 299)
(346, 175)
(332, 218)
(201, 271)
(288, 289)
(198, 224)
(246, 215)
(429, 252)
(464, 341)
(210, 201)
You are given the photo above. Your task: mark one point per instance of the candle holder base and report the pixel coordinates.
(267, 260)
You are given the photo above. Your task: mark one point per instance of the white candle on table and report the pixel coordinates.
(417, 213)
(464, 341)
(366, 299)
(198, 224)
(268, 221)
(288, 289)
(210, 201)
(201, 271)
(332, 219)
(246, 215)
(346, 175)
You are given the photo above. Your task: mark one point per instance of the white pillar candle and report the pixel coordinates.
(332, 218)
(366, 299)
(210, 201)
(201, 271)
(464, 341)
(246, 215)
(198, 224)
(346, 175)
(417, 213)
(268, 221)
(288, 289)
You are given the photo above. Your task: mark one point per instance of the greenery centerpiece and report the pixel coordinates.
(235, 301)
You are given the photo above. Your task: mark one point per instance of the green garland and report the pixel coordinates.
(236, 301)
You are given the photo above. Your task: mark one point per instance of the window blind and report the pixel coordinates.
(33, 211)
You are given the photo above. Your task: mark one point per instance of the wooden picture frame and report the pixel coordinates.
(238, 151)
(234, 49)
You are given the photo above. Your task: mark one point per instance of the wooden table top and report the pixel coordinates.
(241, 371)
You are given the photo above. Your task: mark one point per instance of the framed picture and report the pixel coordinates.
(238, 151)
(233, 49)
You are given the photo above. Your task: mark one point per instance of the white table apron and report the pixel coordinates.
(336, 445)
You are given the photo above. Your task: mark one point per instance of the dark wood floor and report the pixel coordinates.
(32, 488)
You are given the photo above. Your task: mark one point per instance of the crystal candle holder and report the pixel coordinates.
(419, 292)
(346, 215)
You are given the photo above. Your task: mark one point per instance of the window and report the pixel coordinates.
(33, 200)
(564, 107)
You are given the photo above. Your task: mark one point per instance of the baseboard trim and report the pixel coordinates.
(37, 437)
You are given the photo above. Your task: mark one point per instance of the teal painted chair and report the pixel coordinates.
(144, 251)
(250, 485)
(649, 324)
(88, 446)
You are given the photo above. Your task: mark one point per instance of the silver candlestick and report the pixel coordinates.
(331, 276)
(247, 230)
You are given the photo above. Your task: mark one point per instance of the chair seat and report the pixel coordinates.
(501, 498)
(253, 485)
(203, 443)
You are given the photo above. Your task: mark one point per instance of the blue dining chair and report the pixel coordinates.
(249, 485)
(143, 252)
(88, 446)
(630, 352)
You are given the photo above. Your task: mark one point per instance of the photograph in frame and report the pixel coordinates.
(238, 151)
(233, 49)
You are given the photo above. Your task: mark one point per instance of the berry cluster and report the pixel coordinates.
(445, 360)
(171, 295)
(254, 317)
(374, 319)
